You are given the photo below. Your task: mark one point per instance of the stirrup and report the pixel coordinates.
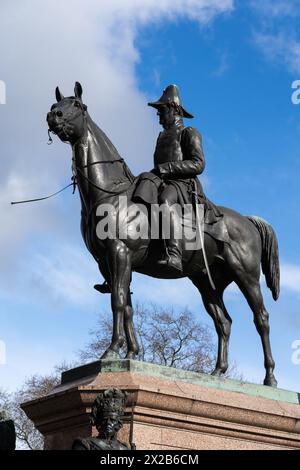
(171, 261)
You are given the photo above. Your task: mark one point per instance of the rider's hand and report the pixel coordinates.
(163, 170)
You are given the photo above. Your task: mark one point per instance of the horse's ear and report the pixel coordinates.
(58, 95)
(78, 90)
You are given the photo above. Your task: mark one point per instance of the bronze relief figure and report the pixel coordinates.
(106, 415)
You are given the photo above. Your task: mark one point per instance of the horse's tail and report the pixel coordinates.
(270, 254)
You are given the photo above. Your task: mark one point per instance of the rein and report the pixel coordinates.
(115, 193)
(79, 169)
(121, 160)
(74, 184)
(42, 198)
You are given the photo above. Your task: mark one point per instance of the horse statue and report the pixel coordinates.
(102, 176)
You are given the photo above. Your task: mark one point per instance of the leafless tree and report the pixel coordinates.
(36, 386)
(165, 337)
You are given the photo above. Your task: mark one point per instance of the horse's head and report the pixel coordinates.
(67, 117)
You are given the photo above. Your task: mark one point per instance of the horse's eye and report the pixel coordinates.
(77, 104)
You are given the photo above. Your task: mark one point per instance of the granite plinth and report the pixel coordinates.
(170, 409)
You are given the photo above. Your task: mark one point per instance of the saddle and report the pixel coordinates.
(147, 187)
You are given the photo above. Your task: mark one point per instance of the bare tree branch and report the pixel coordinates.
(165, 337)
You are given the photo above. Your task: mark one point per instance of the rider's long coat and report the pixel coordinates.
(178, 160)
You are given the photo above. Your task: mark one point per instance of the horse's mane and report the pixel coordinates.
(108, 149)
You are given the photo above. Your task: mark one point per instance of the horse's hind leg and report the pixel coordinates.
(132, 344)
(214, 305)
(252, 292)
(120, 269)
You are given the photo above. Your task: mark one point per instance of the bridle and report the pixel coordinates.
(72, 118)
(78, 169)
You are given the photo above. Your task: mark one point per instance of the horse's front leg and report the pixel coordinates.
(132, 343)
(119, 262)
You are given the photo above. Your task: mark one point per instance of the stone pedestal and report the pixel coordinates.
(170, 409)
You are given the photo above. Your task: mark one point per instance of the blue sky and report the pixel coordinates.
(234, 62)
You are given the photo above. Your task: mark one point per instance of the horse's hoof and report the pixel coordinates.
(110, 354)
(217, 372)
(270, 381)
(103, 288)
(131, 355)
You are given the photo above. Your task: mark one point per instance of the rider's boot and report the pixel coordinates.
(173, 255)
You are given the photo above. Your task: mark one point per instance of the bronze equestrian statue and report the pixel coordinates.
(234, 246)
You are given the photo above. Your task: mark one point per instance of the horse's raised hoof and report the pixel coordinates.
(110, 354)
(270, 381)
(103, 288)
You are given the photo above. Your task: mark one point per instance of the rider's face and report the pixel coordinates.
(166, 115)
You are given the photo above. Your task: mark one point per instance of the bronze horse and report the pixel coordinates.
(102, 176)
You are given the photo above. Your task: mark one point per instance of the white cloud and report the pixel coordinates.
(64, 275)
(280, 47)
(277, 36)
(43, 44)
(180, 292)
(20, 225)
(223, 66)
(275, 8)
(290, 277)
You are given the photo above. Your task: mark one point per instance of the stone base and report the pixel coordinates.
(170, 409)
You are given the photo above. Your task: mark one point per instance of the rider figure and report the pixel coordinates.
(178, 159)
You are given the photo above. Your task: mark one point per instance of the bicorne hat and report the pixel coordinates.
(171, 95)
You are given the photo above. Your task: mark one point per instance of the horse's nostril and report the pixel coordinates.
(59, 114)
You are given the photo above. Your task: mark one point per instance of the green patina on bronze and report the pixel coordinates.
(170, 373)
